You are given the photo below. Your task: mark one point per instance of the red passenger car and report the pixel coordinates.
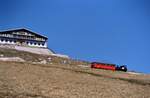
(106, 66)
(103, 66)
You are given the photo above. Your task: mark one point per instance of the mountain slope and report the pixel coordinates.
(74, 79)
(20, 80)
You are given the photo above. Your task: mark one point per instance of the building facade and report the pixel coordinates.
(23, 37)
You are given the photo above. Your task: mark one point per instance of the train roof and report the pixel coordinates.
(102, 63)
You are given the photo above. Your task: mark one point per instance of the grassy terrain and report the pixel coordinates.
(31, 57)
(57, 79)
(26, 80)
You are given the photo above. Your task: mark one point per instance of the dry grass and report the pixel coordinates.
(26, 80)
(31, 57)
(57, 79)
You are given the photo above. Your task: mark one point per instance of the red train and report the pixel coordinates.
(106, 66)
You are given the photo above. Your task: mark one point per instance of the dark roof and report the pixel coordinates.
(25, 30)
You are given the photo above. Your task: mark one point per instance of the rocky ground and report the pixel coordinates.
(26, 80)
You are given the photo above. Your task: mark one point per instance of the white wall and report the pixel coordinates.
(8, 42)
(29, 43)
(37, 45)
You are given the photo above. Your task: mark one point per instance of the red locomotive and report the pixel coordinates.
(106, 66)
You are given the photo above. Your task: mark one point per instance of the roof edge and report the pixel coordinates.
(26, 29)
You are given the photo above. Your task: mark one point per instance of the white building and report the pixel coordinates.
(23, 37)
(25, 40)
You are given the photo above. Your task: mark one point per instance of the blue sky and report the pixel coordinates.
(113, 31)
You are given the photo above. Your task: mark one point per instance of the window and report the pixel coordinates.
(34, 43)
(2, 40)
(31, 43)
(6, 40)
(39, 44)
(42, 44)
(27, 42)
(15, 41)
(10, 41)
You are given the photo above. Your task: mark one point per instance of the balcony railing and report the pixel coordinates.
(22, 37)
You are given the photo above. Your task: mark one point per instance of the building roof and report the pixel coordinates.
(25, 30)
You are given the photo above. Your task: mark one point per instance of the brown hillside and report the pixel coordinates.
(70, 80)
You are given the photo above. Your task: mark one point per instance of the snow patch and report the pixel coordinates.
(134, 73)
(16, 59)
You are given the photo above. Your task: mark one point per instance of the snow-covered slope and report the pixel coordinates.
(36, 50)
(43, 51)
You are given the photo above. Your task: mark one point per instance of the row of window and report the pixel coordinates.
(31, 43)
(2, 40)
(22, 36)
